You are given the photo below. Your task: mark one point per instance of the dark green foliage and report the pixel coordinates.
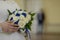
(28, 25)
(9, 12)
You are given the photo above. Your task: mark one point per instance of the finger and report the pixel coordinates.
(12, 27)
(15, 25)
(12, 30)
(12, 24)
(5, 30)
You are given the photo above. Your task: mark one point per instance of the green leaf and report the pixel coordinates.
(22, 29)
(28, 25)
(33, 14)
(9, 12)
(16, 9)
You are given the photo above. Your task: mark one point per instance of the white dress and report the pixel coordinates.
(11, 5)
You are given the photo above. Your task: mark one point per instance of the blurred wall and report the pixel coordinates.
(21, 3)
(34, 6)
(52, 11)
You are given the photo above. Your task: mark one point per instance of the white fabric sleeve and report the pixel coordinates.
(12, 5)
(4, 5)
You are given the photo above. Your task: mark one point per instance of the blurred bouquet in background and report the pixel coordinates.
(23, 19)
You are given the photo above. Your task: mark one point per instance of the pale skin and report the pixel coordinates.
(8, 27)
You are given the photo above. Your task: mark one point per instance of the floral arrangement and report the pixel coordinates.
(23, 19)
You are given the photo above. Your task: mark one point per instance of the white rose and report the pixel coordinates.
(21, 24)
(22, 17)
(28, 18)
(15, 18)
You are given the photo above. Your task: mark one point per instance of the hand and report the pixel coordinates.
(9, 27)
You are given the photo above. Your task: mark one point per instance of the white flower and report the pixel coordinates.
(15, 18)
(16, 12)
(28, 18)
(21, 24)
(22, 31)
(22, 17)
(11, 16)
(20, 12)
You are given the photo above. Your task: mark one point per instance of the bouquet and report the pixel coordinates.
(23, 19)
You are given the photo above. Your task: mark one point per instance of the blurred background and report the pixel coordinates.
(46, 24)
